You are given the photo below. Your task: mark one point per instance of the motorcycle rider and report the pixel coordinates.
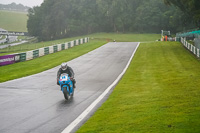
(66, 69)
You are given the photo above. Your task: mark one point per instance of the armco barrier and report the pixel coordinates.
(29, 55)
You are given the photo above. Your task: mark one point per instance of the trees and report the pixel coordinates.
(33, 23)
(63, 18)
(15, 7)
(189, 7)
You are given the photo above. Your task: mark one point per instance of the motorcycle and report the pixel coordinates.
(66, 86)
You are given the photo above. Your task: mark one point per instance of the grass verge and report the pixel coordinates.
(100, 36)
(128, 37)
(160, 92)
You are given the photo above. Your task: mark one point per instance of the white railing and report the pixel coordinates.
(190, 47)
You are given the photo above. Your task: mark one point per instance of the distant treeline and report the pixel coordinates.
(189, 7)
(56, 19)
(14, 7)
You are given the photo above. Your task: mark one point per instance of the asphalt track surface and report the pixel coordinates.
(12, 44)
(11, 39)
(35, 104)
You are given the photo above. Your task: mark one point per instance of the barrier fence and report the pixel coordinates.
(190, 47)
(29, 55)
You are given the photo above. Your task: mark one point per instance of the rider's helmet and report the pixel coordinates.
(64, 66)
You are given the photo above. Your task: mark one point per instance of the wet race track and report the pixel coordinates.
(35, 104)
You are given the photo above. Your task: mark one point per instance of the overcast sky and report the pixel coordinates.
(29, 3)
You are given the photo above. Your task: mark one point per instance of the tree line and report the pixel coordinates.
(65, 18)
(189, 7)
(15, 7)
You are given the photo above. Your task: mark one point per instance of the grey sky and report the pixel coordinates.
(29, 3)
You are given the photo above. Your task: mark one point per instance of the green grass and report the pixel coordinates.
(13, 21)
(40, 64)
(128, 37)
(99, 36)
(160, 92)
(191, 42)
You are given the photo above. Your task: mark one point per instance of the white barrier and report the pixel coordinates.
(190, 47)
(81, 40)
(41, 51)
(50, 49)
(66, 45)
(59, 47)
(29, 55)
(72, 43)
(77, 42)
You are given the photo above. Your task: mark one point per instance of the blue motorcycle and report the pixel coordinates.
(66, 86)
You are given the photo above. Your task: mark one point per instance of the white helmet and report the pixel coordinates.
(64, 66)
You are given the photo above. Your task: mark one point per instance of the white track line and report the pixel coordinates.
(70, 127)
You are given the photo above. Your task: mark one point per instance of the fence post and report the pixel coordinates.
(191, 48)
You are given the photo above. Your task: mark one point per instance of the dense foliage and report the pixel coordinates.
(64, 18)
(189, 7)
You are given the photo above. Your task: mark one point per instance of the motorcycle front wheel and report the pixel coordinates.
(66, 93)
